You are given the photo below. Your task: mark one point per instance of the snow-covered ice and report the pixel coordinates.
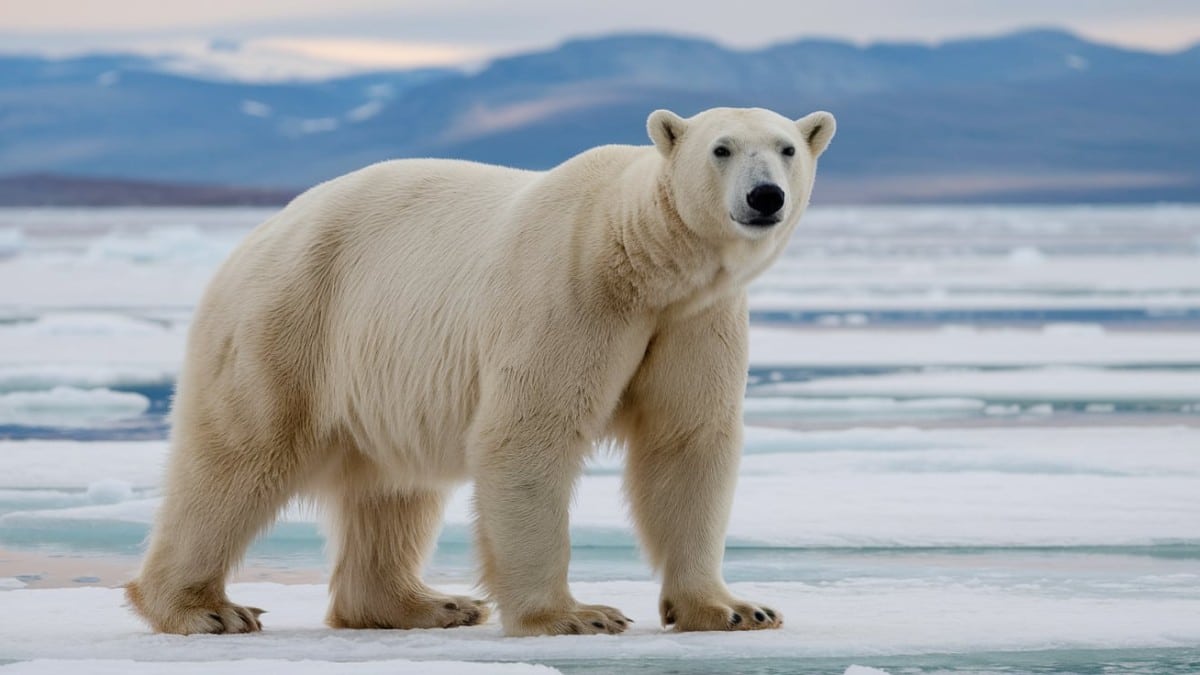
(283, 664)
(852, 488)
(849, 618)
(985, 445)
(1038, 384)
(69, 407)
(76, 465)
(965, 346)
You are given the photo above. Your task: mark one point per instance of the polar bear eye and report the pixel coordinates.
(721, 151)
(789, 150)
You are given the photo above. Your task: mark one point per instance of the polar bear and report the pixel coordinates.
(419, 323)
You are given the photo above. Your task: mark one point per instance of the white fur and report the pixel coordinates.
(419, 323)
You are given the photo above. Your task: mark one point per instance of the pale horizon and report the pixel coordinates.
(290, 57)
(307, 37)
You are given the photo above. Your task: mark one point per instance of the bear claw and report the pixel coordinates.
(730, 614)
(580, 620)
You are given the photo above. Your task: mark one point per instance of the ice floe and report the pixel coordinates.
(1073, 384)
(849, 618)
(899, 488)
(69, 407)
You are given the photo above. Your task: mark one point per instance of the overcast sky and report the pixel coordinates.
(450, 30)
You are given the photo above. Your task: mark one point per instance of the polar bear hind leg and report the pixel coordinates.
(217, 499)
(383, 538)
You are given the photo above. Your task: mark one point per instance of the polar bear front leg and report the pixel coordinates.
(524, 474)
(682, 422)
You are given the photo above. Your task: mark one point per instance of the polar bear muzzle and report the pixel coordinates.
(767, 199)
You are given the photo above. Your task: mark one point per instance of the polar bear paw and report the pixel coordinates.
(229, 618)
(728, 613)
(422, 611)
(186, 613)
(578, 620)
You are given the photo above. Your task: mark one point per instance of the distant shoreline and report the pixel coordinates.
(57, 190)
(53, 190)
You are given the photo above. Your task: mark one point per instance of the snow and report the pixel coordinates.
(1039, 384)
(848, 618)
(95, 349)
(89, 350)
(109, 491)
(171, 245)
(898, 488)
(85, 324)
(279, 665)
(317, 125)
(365, 111)
(255, 108)
(12, 242)
(1054, 344)
(77, 465)
(69, 282)
(69, 407)
(840, 260)
(1077, 62)
(50, 375)
(843, 296)
(859, 408)
(977, 272)
(1063, 514)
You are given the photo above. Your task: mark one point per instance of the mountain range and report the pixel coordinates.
(1035, 116)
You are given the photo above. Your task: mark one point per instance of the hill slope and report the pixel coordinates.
(1033, 116)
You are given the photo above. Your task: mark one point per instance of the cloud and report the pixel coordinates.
(370, 52)
(443, 31)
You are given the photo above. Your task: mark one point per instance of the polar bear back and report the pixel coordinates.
(395, 281)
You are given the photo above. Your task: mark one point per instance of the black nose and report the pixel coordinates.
(766, 198)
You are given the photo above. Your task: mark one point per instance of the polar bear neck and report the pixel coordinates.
(658, 262)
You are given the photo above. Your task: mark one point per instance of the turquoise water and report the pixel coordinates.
(1082, 661)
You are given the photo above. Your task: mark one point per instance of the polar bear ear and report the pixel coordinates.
(665, 128)
(818, 129)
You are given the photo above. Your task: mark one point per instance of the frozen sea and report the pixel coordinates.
(973, 445)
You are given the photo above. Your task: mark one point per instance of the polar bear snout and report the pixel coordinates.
(766, 199)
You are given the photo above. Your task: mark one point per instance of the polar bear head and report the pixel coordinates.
(740, 173)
